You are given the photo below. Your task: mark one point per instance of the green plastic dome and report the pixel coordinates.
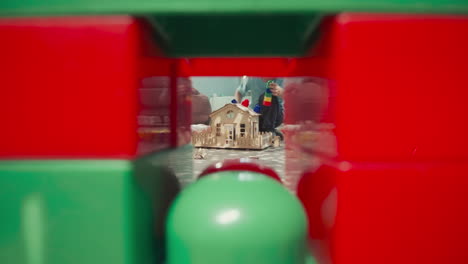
(234, 218)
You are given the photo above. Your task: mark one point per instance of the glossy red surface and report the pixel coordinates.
(401, 87)
(402, 213)
(314, 187)
(266, 67)
(263, 67)
(398, 174)
(242, 164)
(387, 212)
(82, 87)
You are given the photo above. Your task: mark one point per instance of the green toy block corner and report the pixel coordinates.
(83, 211)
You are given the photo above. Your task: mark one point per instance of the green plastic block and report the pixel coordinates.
(237, 217)
(67, 7)
(83, 211)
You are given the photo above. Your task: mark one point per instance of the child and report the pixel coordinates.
(272, 115)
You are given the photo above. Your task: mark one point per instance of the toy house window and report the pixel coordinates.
(218, 130)
(230, 114)
(242, 130)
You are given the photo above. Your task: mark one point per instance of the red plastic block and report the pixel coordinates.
(399, 111)
(264, 67)
(83, 87)
(314, 188)
(387, 212)
(401, 87)
(400, 213)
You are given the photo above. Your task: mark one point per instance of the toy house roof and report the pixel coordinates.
(239, 106)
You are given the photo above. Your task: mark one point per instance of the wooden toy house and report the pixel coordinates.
(233, 126)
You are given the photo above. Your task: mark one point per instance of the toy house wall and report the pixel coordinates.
(239, 117)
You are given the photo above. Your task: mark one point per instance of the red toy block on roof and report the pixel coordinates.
(84, 87)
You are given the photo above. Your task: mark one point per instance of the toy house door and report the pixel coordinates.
(253, 128)
(230, 134)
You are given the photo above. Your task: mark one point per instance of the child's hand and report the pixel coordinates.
(276, 90)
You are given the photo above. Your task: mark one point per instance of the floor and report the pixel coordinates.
(271, 157)
(187, 169)
(274, 158)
